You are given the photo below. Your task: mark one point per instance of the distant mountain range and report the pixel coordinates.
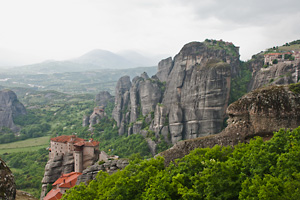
(94, 60)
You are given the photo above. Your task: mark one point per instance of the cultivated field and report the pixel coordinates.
(32, 144)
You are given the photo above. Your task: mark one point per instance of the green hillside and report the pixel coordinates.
(258, 170)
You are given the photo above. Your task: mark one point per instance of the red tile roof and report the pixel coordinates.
(79, 144)
(91, 143)
(75, 140)
(67, 138)
(53, 194)
(67, 180)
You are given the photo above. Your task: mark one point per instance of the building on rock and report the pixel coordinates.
(68, 153)
(65, 182)
(82, 150)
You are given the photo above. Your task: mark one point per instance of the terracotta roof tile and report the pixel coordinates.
(67, 180)
(81, 143)
(53, 194)
(67, 138)
(91, 144)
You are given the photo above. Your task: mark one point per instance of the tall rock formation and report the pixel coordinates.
(187, 98)
(10, 107)
(258, 113)
(284, 72)
(102, 100)
(197, 90)
(7, 182)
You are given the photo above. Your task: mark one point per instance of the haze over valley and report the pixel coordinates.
(149, 99)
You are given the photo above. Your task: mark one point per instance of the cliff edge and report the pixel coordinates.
(258, 113)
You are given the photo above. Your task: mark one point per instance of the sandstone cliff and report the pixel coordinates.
(187, 98)
(284, 72)
(258, 113)
(7, 182)
(10, 107)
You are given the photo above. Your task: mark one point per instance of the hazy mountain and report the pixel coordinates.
(140, 59)
(94, 60)
(104, 59)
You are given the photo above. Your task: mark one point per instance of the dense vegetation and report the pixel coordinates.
(60, 114)
(28, 169)
(239, 84)
(71, 82)
(258, 170)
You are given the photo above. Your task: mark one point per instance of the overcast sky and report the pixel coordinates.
(63, 29)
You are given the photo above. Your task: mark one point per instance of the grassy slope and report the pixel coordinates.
(32, 144)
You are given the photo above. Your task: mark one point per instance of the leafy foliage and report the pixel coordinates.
(239, 84)
(123, 146)
(258, 170)
(295, 88)
(28, 169)
(60, 118)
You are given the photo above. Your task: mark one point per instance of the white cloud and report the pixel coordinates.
(60, 29)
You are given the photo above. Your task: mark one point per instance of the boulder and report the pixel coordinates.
(258, 113)
(10, 107)
(7, 182)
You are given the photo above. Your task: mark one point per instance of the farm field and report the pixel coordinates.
(32, 144)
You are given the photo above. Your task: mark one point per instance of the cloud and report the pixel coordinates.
(243, 12)
(56, 29)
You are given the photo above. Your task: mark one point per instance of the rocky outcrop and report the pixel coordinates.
(187, 97)
(60, 164)
(277, 74)
(85, 120)
(258, 113)
(103, 98)
(111, 166)
(138, 99)
(7, 182)
(120, 111)
(164, 69)
(10, 107)
(196, 99)
(21, 195)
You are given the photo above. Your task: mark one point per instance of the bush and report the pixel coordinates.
(275, 61)
(258, 170)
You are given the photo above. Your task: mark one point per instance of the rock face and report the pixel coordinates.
(58, 165)
(285, 72)
(258, 113)
(187, 98)
(110, 166)
(135, 99)
(7, 182)
(62, 163)
(103, 98)
(10, 107)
